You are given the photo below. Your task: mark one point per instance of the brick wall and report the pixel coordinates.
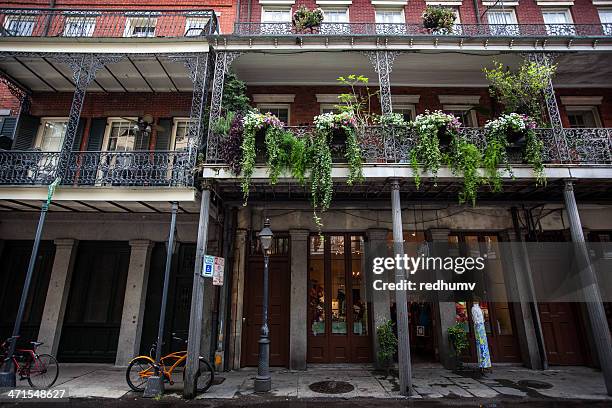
(527, 12)
(7, 100)
(226, 8)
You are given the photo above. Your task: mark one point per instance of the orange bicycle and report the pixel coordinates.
(171, 365)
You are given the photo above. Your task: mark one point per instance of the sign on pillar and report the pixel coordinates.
(213, 267)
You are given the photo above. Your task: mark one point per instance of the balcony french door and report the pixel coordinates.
(338, 318)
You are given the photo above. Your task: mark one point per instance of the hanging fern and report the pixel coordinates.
(321, 184)
(353, 155)
(248, 160)
(532, 154)
(465, 159)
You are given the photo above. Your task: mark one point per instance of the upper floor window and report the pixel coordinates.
(407, 111)
(276, 15)
(281, 111)
(558, 22)
(196, 26)
(605, 16)
(123, 136)
(339, 16)
(502, 22)
(79, 26)
(140, 26)
(180, 141)
(50, 137)
(20, 25)
(328, 108)
(583, 116)
(465, 113)
(390, 21)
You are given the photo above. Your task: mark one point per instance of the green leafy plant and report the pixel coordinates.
(285, 152)
(304, 18)
(464, 158)
(235, 98)
(439, 18)
(532, 154)
(223, 124)
(387, 343)
(391, 119)
(426, 152)
(253, 122)
(321, 184)
(458, 339)
(357, 102)
(520, 91)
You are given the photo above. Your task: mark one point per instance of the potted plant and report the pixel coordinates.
(387, 345)
(458, 339)
(305, 19)
(435, 131)
(439, 19)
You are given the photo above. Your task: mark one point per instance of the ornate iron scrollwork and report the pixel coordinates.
(382, 61)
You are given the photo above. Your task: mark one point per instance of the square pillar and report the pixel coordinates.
(134, 302)
(520, 286)
(380, 299)
(298, 324)
(445, 313)
(57, 295)
(235, 343)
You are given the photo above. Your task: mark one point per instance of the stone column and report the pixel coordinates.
(445, 312)
(240, 252)
(298, 325)
(592, 296)
(520, 287)
(134, 301)
(57, 295)
(380, 299)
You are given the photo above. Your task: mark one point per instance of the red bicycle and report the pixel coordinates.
(41, 370)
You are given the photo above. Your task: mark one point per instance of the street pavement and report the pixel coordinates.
(357, 384)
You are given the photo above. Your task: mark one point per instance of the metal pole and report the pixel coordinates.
(401, 300)
(155, 383)
(263, 381)
(197, 301)
(7, 375)
(597, 314)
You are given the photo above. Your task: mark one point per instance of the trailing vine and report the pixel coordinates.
(465, 158)
(321, 184)
(426, 152)
(532, 154)
(353, 155)
(494, 155)
(285, 152)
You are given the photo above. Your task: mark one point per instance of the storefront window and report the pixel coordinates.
(338, 281)
(360, 305)
(316, 286)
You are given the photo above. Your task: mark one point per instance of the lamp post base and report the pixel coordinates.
(263, 384)
(154, 387)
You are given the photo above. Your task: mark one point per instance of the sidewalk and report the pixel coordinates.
(429, 381)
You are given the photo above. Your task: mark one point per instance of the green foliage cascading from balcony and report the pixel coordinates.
(464, 158)
(439, 18)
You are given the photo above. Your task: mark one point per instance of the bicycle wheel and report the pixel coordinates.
(137, 373)
(43, 371)
(205, 376)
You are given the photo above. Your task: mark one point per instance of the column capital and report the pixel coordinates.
(569, 184)
(511, 234)
(64, 242)
(377, 234)
(299, 234)
(141, 243)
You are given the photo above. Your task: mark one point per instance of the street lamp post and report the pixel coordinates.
(263, 381)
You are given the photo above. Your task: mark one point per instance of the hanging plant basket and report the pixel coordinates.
(307, 21)
(444, 138)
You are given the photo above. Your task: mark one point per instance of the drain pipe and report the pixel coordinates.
(477, 11)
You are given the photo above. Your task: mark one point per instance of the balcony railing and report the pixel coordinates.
(142, 168)
(415, 30)
(98, 23)
(393, 145)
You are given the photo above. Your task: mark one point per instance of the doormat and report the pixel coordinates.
(540, 385)
(331, 387)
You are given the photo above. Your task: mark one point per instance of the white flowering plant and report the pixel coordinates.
(429, 127)
(391, 119)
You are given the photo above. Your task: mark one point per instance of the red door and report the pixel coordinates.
(560, 334)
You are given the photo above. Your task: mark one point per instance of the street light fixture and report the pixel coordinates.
(263, 381)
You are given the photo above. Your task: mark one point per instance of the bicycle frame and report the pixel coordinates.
(178, 357)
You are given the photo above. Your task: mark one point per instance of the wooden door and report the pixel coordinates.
(338, 320)
(95, 303)
(13, 268)
(561, 337)
(279, 307)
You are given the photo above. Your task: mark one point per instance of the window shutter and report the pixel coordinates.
(26, 132)
(163, 137)
(96, 134)
(76, 145)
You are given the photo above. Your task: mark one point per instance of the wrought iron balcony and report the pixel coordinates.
(393, 145)
(415, 30)
(101, 23)
(141, 168)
